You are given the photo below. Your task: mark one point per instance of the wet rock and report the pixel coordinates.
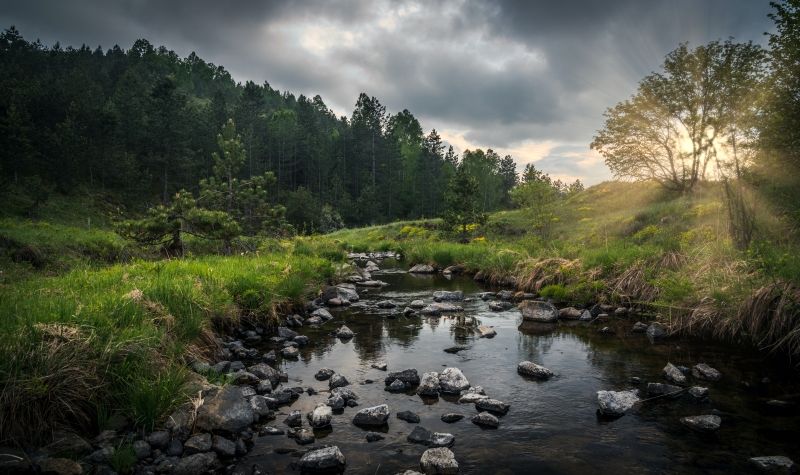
(452, 381)
(586, 316)
(485, 419)
(673, 374)
(606, 331)
(294, 419)
(248, 391)
(409, 377)
(486, 331)
(290, 352)
(422, 269)
(265, 371)
(336, 402)
(536, 311)
(533, 370)
(451, 417)
(226, 411)
(448, 296)
(455, 349)
(386, 304)
(324, 374)
(706, 372)
(381, 365)
(174, 448)
(338, 381)
(304, 437)
(420, 435)
(345, 393)
(142, 449)
(326, 459)
(417, 304)
(569, 313)
(321, 416)
(639, 327)
(442, 439)
(198, 443)
(429, 385)
(471, 398)
(157, 439)
(371, 267)
(505, 295)
(372, 416)
(616, 403)
(704, 423)
(656, 332)
(261, 407)
(322, 313)
(269, 430)
(658, 389)
(373, 437)
(344, 333)
(270, 357)
(698, 392)
(372, 283)
(408, 416)
(314, 321)
(621, 312)
(223, 447)
(500, 306)
(301, 340)
(491, 405)
(439, 461)
(486, 295)
(774, 464)
(286, 333)
(58, 466)
(397, 386)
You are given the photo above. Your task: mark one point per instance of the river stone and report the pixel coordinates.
(704, 371)
(448, 296)
(704, 423)
(313, 321)
(409, 377)
(223, 447)
(381, 365)
(442, 439)
(586, 316)
(336, 402)
(698, 392)
(141, 448)
(486, 331)
(673, 374)
(397, 386)
(290, 352)
(326, 459)
(774, 464)
(616, 403)
(536, 311)
(533, 370)
(322, 313)
(294, 419)
(226, 411)
(417, 304)
(656, 332)
(197, 463)
(452, 381)
(158, 439)
(304, 437)
(301, 340)
(639, 327)
(321, 416)
(344, 333)
(337, 381)
(500, 306)
(408, 416)
(286, 333)
(324, 374)
(104, 455)
(470, 397)
(345, 393)
(659, 389)
(569, 313)
(372, 416)
(491, 405)
(198, 443)
(420, 435)
(265, 371)
(505, 295)
(373, 437)
(372, 283)
(451, 417)
(371, 267)
(438, 461)
(386, 304)
(486, 295)
(422, 269)
(485, 419)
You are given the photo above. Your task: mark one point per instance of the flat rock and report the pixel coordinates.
(325, 459)
(439, 461)
(706, 372)
(659, 389)
(616, 403)
(422, 269)
(704, 423)
(455, 349)
(452, 381)
(537, 311)
(774, 464)
(570, 313)
(448, 296)
(485, 419)
(226, 411)
(198, 443)
(491, 405)
(451, 417)
(197, 463)
(673, 374)
(372, 416)
(486, 331)
(408, 416)
(533, 370)
(417, 304)
(286, 333)
(386, 304)
(344, 333)
(409, 377)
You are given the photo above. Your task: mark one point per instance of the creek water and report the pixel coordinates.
(552, 426)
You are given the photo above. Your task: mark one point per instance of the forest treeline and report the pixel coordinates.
(142, 124)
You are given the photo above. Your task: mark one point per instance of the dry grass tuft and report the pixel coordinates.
(771, 315)
(672, 260)
(632, 286)
(533, 275)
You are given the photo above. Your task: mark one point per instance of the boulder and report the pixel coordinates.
(452, 381)
(533, 370)
(324, 374)
(397, 386)
(408, 416)
(616, 403)
(409, 377)
(294, 419)
(429, 385)
(656, 332)
(448, 296)
(774, 464)
(322, 313)
(223, 447)
(536, 311)
(197, 463)
(226, 411)
(287, 333)
(197, 443)
(265, 371)
(704, 423)
(569, 313)
(422, 269)
(337, 381)
(372, 416)
(325, 459)
(491, 405)
(321, 416)
(486, 331)
(485, 419)
(344, 333)
(438, 461)
(673, 374)
(706, 372)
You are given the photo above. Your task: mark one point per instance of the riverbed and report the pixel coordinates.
(552, 426)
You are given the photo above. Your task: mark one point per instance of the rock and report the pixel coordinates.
(500, 306)
(606, 331)
(286, 333)
(60, 466)
(569, 313)
(313, 321)
(304, 437)
(326, 459)
(658, 389)
(344, 333)
(486, 295)
(142, 449)
(265, 371)
(336, 402)
(197, 463)
(226, 411)
(442, 439)
(439, 461)
(620, 312)
(337, 381)
(586, 316)
(439, 308)
(448, 296)
(70, 443)
(505, 295)
(536, 311)
(324, 374)
(616, 403)
(429, 385)
(704, 423)
(485, 419)
(420, 435)
(698, 392)
(294, 419)
(386, 304)
(198, 443)
(371, 267)
(290, 352)
(221, 367)
(408, 416)
(397, 386)
(451, 417)
(321, 416)
(174, 448)
(322, 313)
(345, 393)
(223, 447)
(486, 331)
(381, 365)
(452, 381)
(491, 405)
(372, 283)
(417, 304)
(706, 372)
(455, 349)
(422, 269)
(533, 370)
(471, 395)
(269, 430)
(372, 416)
(301, 340)
(774, 464)
(373, 437)
(673, 374)
(270, 357)
(409, 377)
(656, 332)
(158, 439)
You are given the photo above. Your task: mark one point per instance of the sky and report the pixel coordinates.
(527, 78)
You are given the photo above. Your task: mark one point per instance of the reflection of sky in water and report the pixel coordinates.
(551, 427)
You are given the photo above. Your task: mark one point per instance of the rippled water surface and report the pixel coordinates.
(552, 426)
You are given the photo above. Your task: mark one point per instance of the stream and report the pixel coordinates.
(552, 426)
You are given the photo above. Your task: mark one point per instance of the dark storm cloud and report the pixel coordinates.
(497, 74)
